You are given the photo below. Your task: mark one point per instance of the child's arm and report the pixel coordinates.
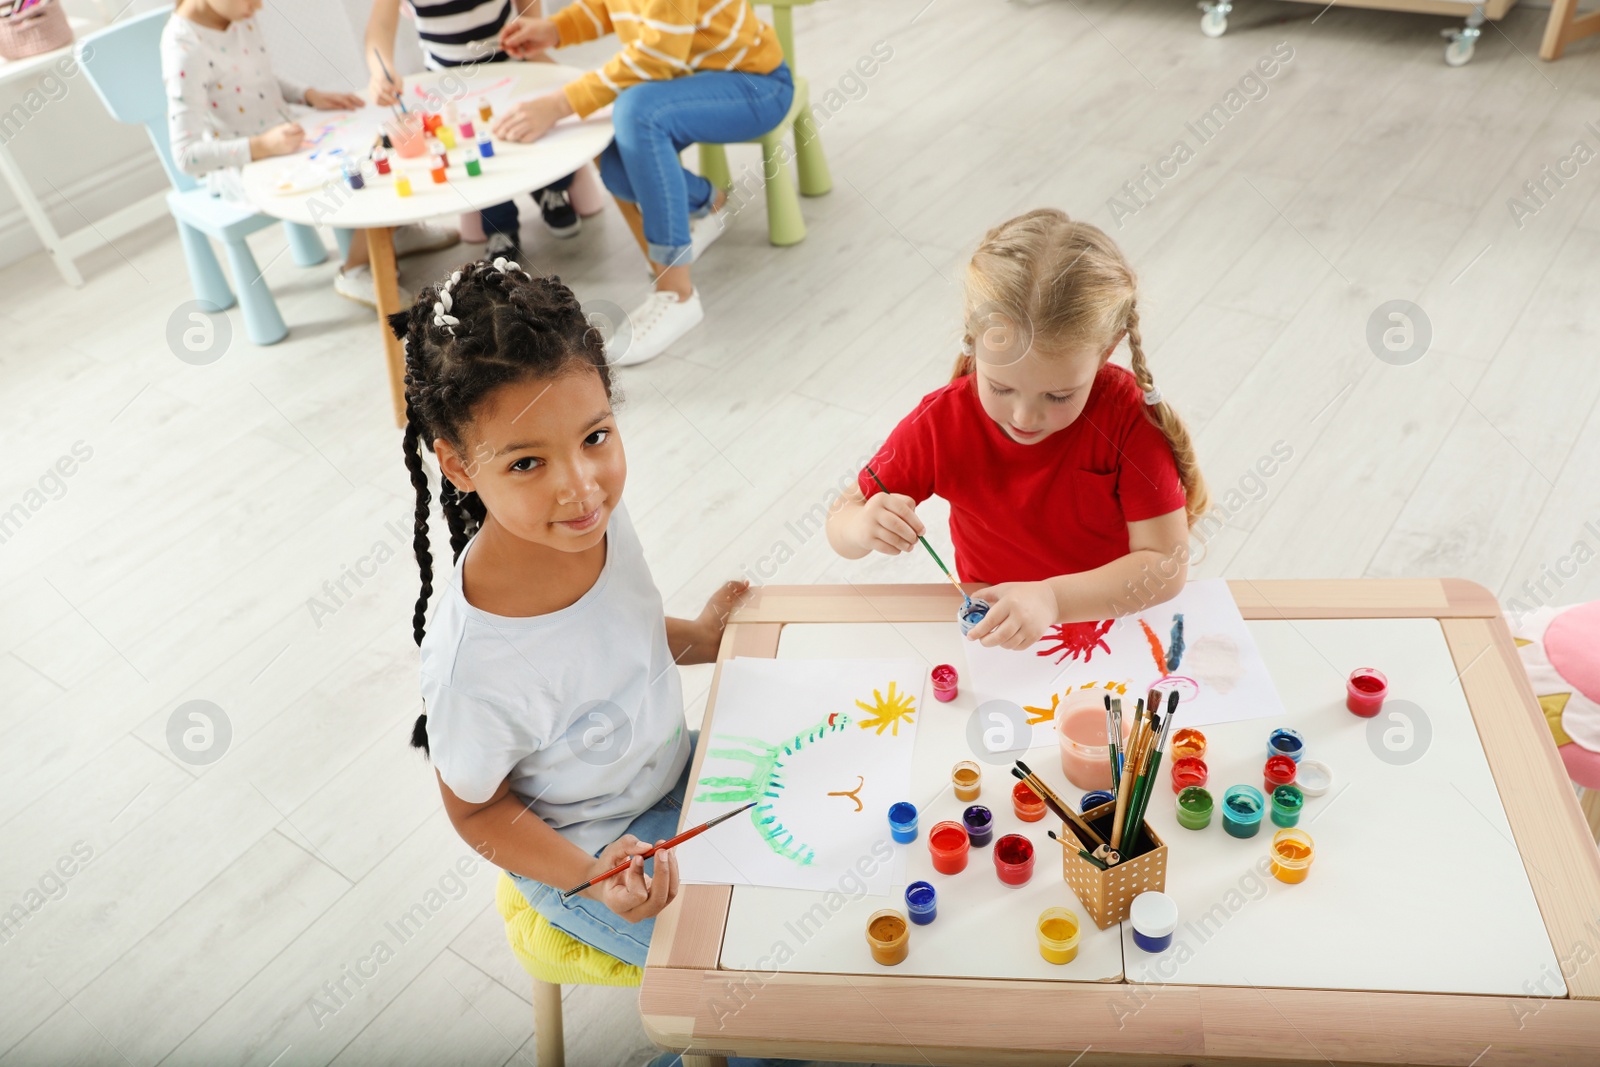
(382, 21)
(887, 523)
(1153, 571)
(190, 129)
(697, 640)
(503, 831)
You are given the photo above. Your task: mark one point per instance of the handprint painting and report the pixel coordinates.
(824, 748)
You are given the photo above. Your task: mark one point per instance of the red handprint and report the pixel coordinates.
(1077, 640)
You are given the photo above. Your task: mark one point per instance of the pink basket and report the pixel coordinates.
(42, 28)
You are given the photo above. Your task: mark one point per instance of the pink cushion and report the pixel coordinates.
(1572, 644)
(1583, 766)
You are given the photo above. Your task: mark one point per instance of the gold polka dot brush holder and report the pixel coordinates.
(1107, 895)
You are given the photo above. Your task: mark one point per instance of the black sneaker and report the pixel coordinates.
(559, 216)
(501, 244)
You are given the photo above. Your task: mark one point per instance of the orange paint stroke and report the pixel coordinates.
(1156, 650)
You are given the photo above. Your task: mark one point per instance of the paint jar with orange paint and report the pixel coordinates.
(948, 847)
(966, 778)
(1028, 805)
(1188, 743)
(889, 937)
(1292, 852)
(1058, 935)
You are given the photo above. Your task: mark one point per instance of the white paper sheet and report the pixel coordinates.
(825, 746)
(1217, 669)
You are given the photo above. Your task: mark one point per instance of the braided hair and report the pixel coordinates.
(487, 325)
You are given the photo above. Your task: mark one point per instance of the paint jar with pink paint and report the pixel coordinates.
(1085, 755)
(944, 683)
(407, 135)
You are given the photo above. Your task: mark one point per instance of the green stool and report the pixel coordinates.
(555, 959)
(785, 224)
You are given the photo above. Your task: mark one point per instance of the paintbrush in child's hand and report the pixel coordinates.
(653, 849)
(965, 599)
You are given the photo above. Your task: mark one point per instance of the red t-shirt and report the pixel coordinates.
(1023, 513)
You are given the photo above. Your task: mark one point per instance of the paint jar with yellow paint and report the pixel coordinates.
(1058, 935)
(1292, 851)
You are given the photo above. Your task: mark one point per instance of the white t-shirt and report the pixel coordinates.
(582, 707)
(220, 93)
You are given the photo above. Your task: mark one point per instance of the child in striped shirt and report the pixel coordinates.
(688, 71)
(459, 33)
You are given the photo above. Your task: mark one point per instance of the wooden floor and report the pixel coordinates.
(230, 913)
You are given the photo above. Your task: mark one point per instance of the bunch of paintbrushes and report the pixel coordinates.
(1091, 845)
(1135, 769)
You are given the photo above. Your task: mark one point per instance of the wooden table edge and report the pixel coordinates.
(1521, 756)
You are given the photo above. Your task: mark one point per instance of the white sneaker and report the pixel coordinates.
(707, 228)
(423, 237)
(653, 327)
(356, 284)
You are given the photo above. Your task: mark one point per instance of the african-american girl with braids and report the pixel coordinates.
(1072, 482)
(548, 666)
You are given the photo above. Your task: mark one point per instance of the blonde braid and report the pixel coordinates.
(1171, 426)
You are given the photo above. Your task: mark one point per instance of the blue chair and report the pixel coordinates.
(123, 63)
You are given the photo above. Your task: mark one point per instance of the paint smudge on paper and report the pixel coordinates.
(1214, 661)
(1077, 640)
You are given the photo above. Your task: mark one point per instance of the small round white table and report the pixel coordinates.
(301, 188)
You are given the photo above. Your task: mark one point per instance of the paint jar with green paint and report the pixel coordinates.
(1287, 800)
(1194, 808)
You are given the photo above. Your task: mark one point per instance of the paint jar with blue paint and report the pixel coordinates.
(903, 822)
(1285, 742)
(979, 822)
(922, 903)
(1242, 808)
(971, 614)
(1094, 798)
(1153, 916)
(1287, 800)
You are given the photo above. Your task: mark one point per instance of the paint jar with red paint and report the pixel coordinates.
(1188, 771)
(979, 822)
(889, 937)
(1365, 690)
(948, 847)
(944, 683)
(1028, 805)
(1279, 771)
(1013, 859)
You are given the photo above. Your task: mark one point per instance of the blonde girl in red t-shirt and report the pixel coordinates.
(1072, 485)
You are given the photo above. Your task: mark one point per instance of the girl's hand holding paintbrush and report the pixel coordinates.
(634, 895)
(887, 523)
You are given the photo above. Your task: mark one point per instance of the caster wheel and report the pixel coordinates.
(1214, 23)
(1458, 53)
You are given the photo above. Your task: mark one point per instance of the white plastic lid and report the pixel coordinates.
(1153, 914)
(1313, 777)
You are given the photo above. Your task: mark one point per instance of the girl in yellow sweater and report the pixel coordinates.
(688, 71)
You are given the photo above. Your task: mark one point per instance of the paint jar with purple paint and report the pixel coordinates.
(979, 822)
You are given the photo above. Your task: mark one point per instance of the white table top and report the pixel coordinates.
(1416, 884)
(513, 169)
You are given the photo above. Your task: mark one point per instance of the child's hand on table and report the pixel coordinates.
(279, 141)
(523, 38)
(1019, 614)
(333, 101)
(530, 120)
(634, 895)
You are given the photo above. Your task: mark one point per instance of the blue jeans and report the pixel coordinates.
(654, 121)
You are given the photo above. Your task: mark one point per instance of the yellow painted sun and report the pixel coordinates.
(886, 712)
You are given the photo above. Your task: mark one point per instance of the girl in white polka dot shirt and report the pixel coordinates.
(225, 108)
